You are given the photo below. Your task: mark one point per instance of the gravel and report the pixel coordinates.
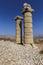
(15, 54)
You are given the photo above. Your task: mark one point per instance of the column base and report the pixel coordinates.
(31, 45)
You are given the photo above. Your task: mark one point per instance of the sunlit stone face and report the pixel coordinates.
(26, 5)
(18, 20)
(28, 32)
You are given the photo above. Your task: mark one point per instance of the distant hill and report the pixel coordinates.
(38, 39)
(9, 38)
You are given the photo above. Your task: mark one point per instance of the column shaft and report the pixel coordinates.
(18, 35)
(28, 31)
(18, 29)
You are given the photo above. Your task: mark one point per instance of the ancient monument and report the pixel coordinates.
(28, 32)
(18, 20)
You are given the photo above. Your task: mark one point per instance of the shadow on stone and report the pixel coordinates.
(41, 52)
(21, 33)
(20, 44)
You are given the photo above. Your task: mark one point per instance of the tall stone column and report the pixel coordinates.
(28, 32)
(18, 20)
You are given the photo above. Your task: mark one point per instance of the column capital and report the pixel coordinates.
(27, 8)
(18, 18)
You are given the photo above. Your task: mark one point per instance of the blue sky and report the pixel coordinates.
(11, 8)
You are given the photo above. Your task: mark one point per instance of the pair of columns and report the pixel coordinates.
(28, 32)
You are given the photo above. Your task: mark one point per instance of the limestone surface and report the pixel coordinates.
(18, 20)
(15, 54)
(28, 29)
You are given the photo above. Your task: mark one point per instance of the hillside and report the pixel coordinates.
(14, 54)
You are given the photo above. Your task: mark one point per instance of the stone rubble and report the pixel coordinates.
(15, 54)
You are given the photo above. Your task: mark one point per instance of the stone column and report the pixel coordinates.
(28, 32)
(18, 20)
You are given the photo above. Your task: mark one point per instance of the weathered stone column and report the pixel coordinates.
(18, 20)
(28, 32)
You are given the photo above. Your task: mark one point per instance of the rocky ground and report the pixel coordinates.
(14, 54)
